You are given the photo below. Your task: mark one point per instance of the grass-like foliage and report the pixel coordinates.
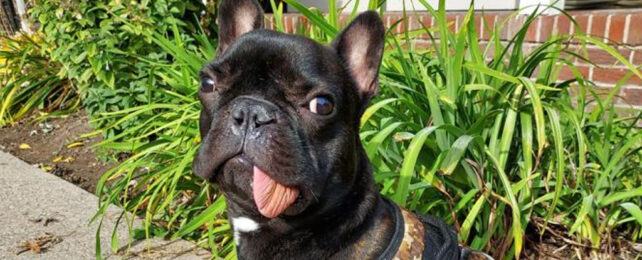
(496, 147)
(29, 81)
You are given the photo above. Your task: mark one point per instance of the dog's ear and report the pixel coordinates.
(360, 46)
(237, 17)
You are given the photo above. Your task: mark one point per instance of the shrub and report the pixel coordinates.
(101, 45)
(495, 148)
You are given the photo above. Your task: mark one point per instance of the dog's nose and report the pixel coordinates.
(252, 113)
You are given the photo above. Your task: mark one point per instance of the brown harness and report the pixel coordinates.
(408, 239)
(412, 245)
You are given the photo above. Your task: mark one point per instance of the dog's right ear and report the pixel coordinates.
(237, 17)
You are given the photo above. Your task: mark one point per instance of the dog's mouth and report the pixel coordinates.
(271, 197)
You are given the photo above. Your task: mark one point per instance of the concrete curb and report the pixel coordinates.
(34, 204)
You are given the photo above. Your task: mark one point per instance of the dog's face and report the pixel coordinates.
(280, 116)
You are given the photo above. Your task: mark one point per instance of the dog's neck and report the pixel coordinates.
(358, 228)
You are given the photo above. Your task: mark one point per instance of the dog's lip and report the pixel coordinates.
(245, 159)
(240, 157)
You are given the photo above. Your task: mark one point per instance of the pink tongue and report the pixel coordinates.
(271, 197)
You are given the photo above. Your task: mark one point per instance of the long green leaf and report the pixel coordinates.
(211, 212)
(409, 164)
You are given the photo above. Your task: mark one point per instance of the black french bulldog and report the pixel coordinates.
(280, 124)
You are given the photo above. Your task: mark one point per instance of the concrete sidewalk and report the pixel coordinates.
(37, 205)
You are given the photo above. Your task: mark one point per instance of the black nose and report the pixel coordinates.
(252, 114)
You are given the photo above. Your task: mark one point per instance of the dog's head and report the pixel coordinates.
(281, 113)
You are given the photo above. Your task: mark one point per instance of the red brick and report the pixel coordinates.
(635, 32)
(426, 19)
(637, 57)
(487, 21)
(396, 18)
(386, 21)
(613, 75)
(303, 24)
(566, 73)
(602, 57)
(574, 48)
(288, 24)
(491, 20)
(414, 22)
(616, 29)
(598, 25)
(451, 20)
(546, 29)
(269, 22)
(500, 20)
(295, 23)
(582, 23)
(460, 21)
(426, 22)
(478, 25)
(514, 25)
(531, 34)
(633, 96)
(563, 25)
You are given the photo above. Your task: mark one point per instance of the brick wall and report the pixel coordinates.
(622, 29)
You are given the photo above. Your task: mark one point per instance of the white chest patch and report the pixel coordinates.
(243, 224)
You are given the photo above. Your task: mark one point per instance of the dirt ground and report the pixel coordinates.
(55, 146)
(562, 248)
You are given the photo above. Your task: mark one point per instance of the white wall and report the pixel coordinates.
(397, 5)
(529, 5)
(323, 4)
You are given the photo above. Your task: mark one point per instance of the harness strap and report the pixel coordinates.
(397, 236)
(408, 238)
(424, 237)
(412, 246)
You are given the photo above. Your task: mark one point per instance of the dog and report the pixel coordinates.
(280, 137)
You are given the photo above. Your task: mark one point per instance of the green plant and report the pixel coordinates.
(498, 147)
(495, 148)
(30, 81)
(156, 181)
(101, 44)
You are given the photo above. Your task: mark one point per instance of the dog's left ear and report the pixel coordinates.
(360, 46)
(237, 17)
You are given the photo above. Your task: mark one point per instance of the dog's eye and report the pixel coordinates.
(207, 85)
(321, 106)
